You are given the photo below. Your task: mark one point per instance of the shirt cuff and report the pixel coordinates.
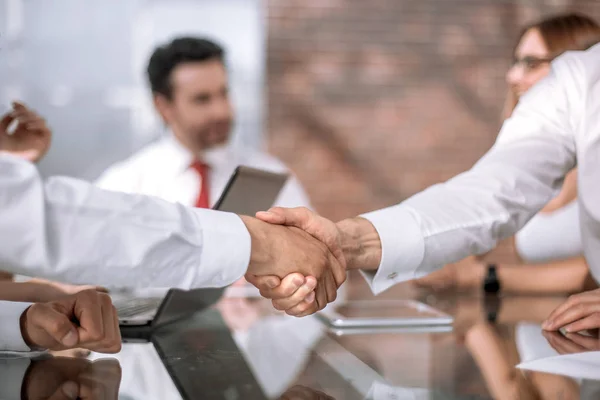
(11, 338)
(402, 247)
(226, 249)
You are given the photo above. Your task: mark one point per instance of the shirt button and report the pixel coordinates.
(392, 275)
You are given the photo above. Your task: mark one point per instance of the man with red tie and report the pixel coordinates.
(193, 162)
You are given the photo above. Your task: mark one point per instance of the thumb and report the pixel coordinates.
(5, 122)
(300, 217)
(55, 324)
(265, 282)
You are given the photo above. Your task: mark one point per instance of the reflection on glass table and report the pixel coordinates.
(477, 360)
(144, 376)
(59, 378)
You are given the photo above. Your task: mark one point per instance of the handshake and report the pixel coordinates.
(299, 259)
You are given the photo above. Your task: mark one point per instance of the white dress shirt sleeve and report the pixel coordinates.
(551, 236)
(10, 326)
(72, 231)
(470, 213)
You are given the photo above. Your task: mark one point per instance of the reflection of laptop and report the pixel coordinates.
(204, 361)
(248, 191)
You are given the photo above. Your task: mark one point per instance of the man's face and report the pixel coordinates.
(199, 111)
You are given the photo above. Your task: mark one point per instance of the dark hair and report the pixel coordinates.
(567, 32)
(181, 50)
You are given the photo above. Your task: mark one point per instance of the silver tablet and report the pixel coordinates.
(250, 190)
(383, 313)
(376, 330)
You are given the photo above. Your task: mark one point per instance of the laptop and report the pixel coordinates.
(248, 191)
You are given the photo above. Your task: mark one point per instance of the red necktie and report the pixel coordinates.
(203, 196)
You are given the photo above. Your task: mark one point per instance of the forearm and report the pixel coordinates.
(515, 309)
(21, 291)
(360, 243)
(567, 276)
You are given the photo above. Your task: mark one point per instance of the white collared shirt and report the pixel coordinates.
(68, 230)
(555, 126)
(551, 236)
(162, 169)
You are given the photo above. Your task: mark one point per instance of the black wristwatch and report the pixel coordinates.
(491, 283)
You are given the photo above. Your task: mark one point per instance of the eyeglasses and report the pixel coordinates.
(531, 63)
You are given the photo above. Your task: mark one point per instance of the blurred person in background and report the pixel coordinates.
(552, 239)
(193, 162)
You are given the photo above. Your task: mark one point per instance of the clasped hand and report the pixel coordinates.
(295, 260)
(312, 253)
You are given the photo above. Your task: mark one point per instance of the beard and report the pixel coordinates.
(216, 134)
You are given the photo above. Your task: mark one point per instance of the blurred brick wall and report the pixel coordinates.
(370, 101)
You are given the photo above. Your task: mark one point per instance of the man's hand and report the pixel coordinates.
(279, 251)
(580, 312)
(86, 319)
(31, 137)
(72, 378)
(354, 243)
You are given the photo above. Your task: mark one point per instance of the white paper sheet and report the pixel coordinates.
(579, 365)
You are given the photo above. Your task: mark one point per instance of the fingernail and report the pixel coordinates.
(568, 329)
(70, 339)
(310, 284)
(310, 298)
(546, 325)
(297, 281)
(70, 389)
(272, 283)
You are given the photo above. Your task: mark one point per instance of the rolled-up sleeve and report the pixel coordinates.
(470, 213)
(69, 230)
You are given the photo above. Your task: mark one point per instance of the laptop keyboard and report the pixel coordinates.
(127, 308)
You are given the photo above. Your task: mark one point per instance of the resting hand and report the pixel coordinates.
(86, 320)
(580, 312)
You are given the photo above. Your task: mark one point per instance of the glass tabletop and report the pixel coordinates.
(243, 349)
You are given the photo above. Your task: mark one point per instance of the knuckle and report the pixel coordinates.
(35, 309)
(96, 336)
(292, 313)
(580, 307)
(105, 299)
